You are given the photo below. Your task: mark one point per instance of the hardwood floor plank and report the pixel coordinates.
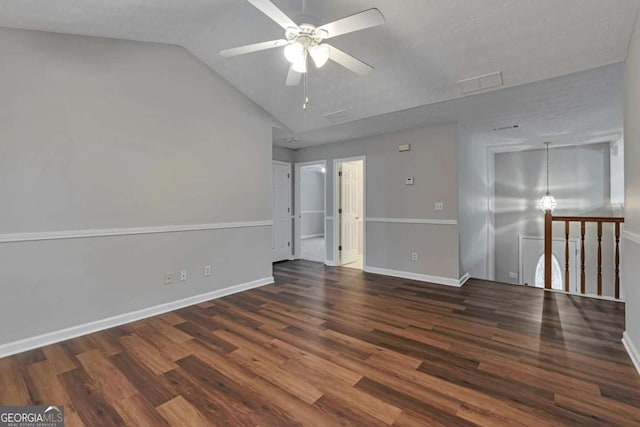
(180, 413)
(147, 354)
(136, 411)
(92, 407)
(145, 381)
(111, 381)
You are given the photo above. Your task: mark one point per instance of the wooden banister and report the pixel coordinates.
(583, 220)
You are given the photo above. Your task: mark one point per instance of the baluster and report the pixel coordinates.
(582, 274)
(599, 259)
(548, 248)
(566, 256)
(617, 260)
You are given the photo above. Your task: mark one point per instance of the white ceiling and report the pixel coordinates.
(425, 47)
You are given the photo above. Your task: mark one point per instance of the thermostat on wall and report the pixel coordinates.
(409, 180)
(404, 147)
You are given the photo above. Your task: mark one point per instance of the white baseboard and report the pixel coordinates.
(417, 276)
(330, 263)
(99, 325)
(464, 278)
(631, 350)
(311, 236)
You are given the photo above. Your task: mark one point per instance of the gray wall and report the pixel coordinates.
(474, 215)
(312, 202)
(631, 252)
(432, 162)
(579, 180)
(283, 154)
(99, 133)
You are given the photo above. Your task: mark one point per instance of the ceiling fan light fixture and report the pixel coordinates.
(320, 54)
(300, 65)
(294, 52)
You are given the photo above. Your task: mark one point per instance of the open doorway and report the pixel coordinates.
(349, 205)
(310, 211)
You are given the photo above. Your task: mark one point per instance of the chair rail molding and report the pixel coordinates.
(414, 221)
(104, 232)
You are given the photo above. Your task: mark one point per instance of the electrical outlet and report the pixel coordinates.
(183, 275)
(168, 279)
(513, 275)
(207, 270)
(414, 256)
(439, 206)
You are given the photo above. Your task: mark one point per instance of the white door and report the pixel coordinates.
(348, 212)
(532, 263)
(281, 241)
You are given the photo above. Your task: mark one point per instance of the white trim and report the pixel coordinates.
(103, 232)
(336, 223)
(491, 208)
(330, 263)
(99, 325)
(311, 236)
(464, 278)
(635, 238)
(312, 212)
(328, 218)
(280, 162)
(576, 294)
(275, 255)
(417, 276)
(414, 221)
(632, 350)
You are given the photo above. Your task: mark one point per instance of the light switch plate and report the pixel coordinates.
(409, 180)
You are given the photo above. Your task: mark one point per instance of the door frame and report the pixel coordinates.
(336, 216)
(574, 240)
(297, 217)
(288, 164)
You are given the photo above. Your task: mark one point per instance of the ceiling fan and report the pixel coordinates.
(307, 40)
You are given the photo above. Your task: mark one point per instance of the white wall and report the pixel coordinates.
(631, 250)
(474, 215)
(432, 162)
(617, 172)
(99, 133)
(579, 180)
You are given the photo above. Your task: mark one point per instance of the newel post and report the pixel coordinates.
(548, 241)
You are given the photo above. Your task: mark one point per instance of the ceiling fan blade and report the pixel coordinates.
(256, 47)
(270, 9)
(293, 77)
(349, 62)
(360, 21)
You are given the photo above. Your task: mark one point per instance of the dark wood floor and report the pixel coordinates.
(335, 346)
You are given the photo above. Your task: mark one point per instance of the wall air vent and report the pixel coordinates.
(338, 116)
(477, 84)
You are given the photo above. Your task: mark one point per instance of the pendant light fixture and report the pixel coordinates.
(547, 203)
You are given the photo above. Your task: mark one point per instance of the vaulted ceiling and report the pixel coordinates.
(423, 50)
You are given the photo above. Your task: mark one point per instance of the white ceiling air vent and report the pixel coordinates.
(338, 116)
(479, 83)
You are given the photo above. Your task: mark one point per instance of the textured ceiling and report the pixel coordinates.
(576, 108)
(425, 47)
